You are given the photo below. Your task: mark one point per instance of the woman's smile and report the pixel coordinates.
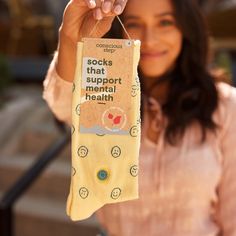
(153, 55)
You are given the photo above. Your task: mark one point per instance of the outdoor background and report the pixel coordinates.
(28, 39)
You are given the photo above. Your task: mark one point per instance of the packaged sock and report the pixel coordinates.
(106, 125)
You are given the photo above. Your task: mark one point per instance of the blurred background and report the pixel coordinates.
(34, 146)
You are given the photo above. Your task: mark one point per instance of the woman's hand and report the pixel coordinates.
(79, 19)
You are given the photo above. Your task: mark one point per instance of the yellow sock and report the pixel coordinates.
(104, 167)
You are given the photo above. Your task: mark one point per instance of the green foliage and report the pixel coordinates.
(224, 61)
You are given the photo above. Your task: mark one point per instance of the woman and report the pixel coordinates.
(187, 157)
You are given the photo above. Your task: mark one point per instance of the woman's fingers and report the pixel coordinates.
(107, 6)
(119, 6)
(97, 13)
(104, 8)
(91, 3)
(113, 6)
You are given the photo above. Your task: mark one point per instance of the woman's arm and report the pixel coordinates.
(227, 186)
(57, 92)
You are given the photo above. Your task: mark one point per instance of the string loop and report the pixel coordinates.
(120, 23)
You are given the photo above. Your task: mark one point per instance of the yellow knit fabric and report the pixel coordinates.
(113, 157)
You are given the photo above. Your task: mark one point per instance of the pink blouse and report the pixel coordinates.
(189, 190)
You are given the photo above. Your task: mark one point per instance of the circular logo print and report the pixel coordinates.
(102, 174)
(115, 193)
(82, 151)
(83, 192)
(114, 119)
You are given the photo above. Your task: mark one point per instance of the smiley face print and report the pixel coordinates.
(139, 121)
(134, 131)
(115, 193)
(100, 135)
(115, 151)
(134, 170)
(73, 171)
(83, 192)
(82, 151)
(77, 109)
(72, 129)
(134, 90)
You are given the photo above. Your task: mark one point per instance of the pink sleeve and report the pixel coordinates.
(58, 93)
(227, 186)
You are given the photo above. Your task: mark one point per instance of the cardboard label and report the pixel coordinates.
(107, 74)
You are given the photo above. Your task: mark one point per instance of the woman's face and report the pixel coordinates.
(153, 22)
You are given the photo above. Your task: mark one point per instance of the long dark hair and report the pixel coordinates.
(192, 94)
